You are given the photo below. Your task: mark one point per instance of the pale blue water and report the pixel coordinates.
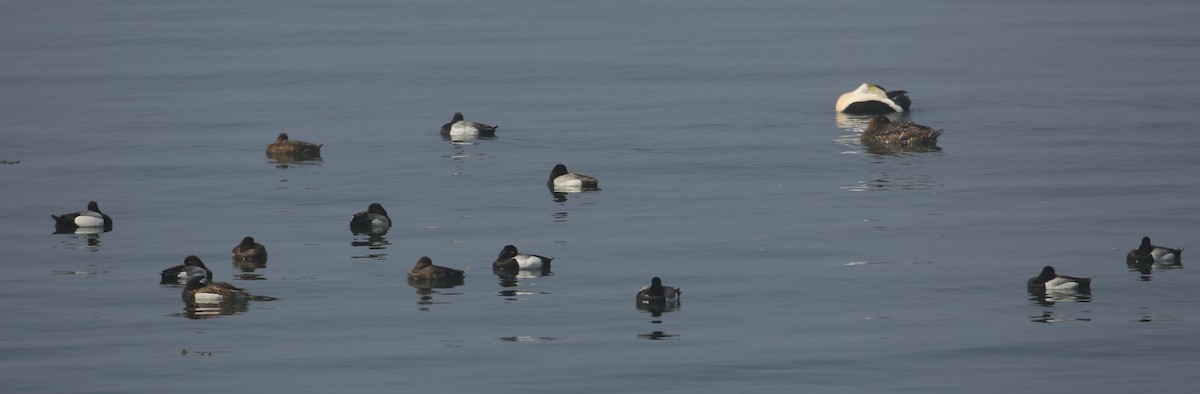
(807, 263)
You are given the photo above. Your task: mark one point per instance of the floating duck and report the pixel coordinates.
(1049, 280)
(657, 294)
(871, 99)
(563, 180)
(89, 219)
(249, 250)
(899, 133)
(463, 128)
(294, 148)
(1147, 253)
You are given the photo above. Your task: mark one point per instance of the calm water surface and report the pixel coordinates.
(807, 262)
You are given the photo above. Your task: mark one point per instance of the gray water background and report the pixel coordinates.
(807, 263)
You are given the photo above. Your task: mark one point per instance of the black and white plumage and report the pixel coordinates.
(374, 218)
(657, 294)
(464, 128)
(562, 180)
(899, 133)
(425, 270)
(248, 249)
(1146, 253)
(285, 146)
(1050, 281)
(91, 218)
(192, 267)
(872, 99)
(511, 259)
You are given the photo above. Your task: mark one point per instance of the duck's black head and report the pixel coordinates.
(1145, 247)
(509, 251)
(282, 137)
(377, 208)
(1047, 273)
(559, 170)
(458, 116)
(900, 97)
(656, 287)
(193, 261)
(93, 206)
(195, 282)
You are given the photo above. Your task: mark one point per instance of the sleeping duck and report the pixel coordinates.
(872, 99)
(511, 259)
(900, 133)
(565, 181)
(657, 294)
(192, 267)
(249, 250)
(91, 218)
(463, 128)
(425, 270)
(1049, 280)
(288, 147)
(203, 289)
(1147, 253)
(374, 218)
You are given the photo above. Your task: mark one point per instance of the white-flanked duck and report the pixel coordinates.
(511, 259)
(285, 146)
(871, 99)
(375, 217)
(203, 289)
(657, 294)
(192, 267)
(1147, 253)
(92, 218)
(1051, 281)
(464, 128)
(425, 270)
(249, 250)
(562, 180)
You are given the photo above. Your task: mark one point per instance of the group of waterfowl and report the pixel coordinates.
(882, 132)
(201, 287)
(868, 99)
(1145, 256)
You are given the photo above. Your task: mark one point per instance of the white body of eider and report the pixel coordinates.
(865, 93)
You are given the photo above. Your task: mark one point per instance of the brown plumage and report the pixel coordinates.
(285, 146)
(249, 250)
(425, 270)
(882, 130)
(203, 287)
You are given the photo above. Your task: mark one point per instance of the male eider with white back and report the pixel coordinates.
(872, 99)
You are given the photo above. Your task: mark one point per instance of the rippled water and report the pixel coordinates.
(806, 260)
